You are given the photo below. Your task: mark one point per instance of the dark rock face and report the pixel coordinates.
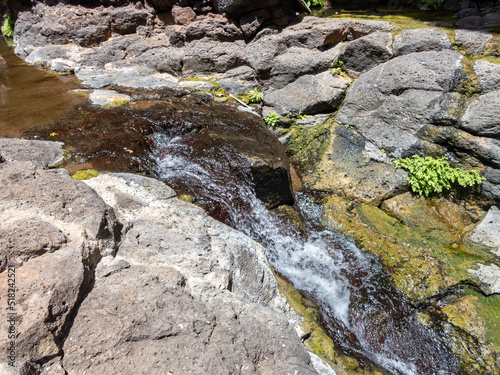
(251, 22)
(366, 52)
(207, 55)
(243, 6)
(394, 101)
(420, 40)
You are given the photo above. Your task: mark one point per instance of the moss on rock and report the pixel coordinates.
(86, 174)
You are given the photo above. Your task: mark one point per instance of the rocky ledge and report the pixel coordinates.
(115, 270)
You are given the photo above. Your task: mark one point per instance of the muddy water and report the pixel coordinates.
(30, 96)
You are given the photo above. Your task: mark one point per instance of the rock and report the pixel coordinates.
(473, 41)
(471, 22)
(486, 149)
(242, 6)
(176, 35)
(297, 62)
(354, 167)
(206, 55)
(251, 22)
(183, 15)
(163, 4)
(198, 85)
(390, 104)
(467, 13)
(491, 187)
(279, 16)
(108, 98)
(242, 72)
(358, 28)
(492, 19)
(262, 51)
(221, 296)
(309, 94)
(47, 55)
(490, 75)
(481, 116)
(41, 153)
(237, 86)
(488, 277)
(312, 32)
(366, 52)
(214, 27)
(125, 20)
(62, 66)
(486, 232)
(420, 40)
(164, 60)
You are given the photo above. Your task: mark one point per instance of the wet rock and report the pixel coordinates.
(206, 55)
(354, 167)
(108, 98)
(242, 6)
(486, 149)
(420, 40)
(309, 94)
(251, 22)
(486, 232)
(473, 40)
(488, 277)
(366, 52)
(46, 55)
(41, 153)
(491, 19)
(183, 15)
(490, 75)
(462, 313)
(297, 62)
(467, 13)
(390, 104)
(481, 116)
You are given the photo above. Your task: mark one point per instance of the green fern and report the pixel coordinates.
(255, 96)
(272, 119)
(313, 3)
(429, 175)
(8, 25)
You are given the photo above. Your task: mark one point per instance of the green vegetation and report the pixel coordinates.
(8, 25)
(429, 175)
(272, 119)
(255, 96)
(314, 3)
(86, 174)
(338, 68)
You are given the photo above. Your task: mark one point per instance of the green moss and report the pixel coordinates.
(488, 308)
(86, 174)
(307, 145)
(8, 25)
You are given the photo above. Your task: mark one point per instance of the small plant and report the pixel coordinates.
(338, 68)
(86, 174)
(429, 175)
(272, 119)
(8, 25)
(313, 3)
(255, 96)
(301, 116)
(347, 126)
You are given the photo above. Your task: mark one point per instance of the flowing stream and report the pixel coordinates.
(367, 317)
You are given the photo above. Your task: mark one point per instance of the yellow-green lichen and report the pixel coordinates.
(86, 174)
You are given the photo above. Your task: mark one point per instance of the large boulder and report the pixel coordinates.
(481, 116)
(393, 102)
(309, 94)
(473, 40)
(263, 49)
(420, 40)
(243, 6)
(206, 55)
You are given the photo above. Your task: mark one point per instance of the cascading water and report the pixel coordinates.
(365, 315)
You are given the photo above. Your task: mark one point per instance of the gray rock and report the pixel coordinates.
(251, 22)
(486, 149)
(46, 55)
(243, 6)
(491, 187)
(471, 22)
(420, 40)
(197, 85)
(309, 94)
(467, 13)
(215, 27)
(262, 51)
(242, 72)
(163, 4)
(62, 66)
(354, 167)
(486, 232)
(126, 20)
(207, 55)
(491, 19)
(313, 32)
(164, 60)
(359, 28)
(472, 40)
(390, 104)
(41, 153)
(237, 86)
(481, 116)
(366, 52)
(490, 75)
(108, 98)
(488, 277)
(297, 62)
(183, 15)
